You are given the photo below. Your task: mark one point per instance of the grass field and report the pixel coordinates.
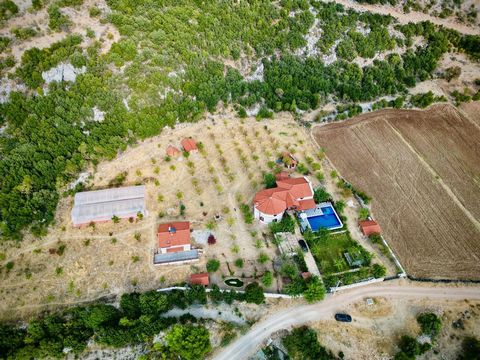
(328, 252)
(421, 168)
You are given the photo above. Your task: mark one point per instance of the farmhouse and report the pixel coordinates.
(199, 279)
(173, 152)
(189, 145)
(369, 227)
(173, 244)
(103, 205)
(290, 194)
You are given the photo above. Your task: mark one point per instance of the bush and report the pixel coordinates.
(189, 342)
(254, 293)
(287, 224)
(263, 258)
(239, 263)
(269, 181)
(213, 265)
(315, 290)
(211, 240)
(321, 195)
(302, 343)
(379, 271)
(7, 9)
(430, 324)
(267, 279)
(363, 213)
(247, 213)
(470, 349)
(57, 21)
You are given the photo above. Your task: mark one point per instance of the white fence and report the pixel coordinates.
(358, 284)
(268, 295)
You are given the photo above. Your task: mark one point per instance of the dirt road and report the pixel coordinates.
(412, 16)
(247, 344)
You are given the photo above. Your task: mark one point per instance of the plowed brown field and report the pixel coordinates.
(422, 169)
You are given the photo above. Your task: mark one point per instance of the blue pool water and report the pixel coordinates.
(328, 220)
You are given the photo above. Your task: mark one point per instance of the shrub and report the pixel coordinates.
(378, 271)
(302, 343)
(315, 290)
(375, 238)
(7, 9)
(363, 213)
(321, 195)
(263, 258)
(239, 263)
(267, 279)
(57, 21)
(430, 324)
(211, 240)
(287, 224)
(247, 213)
(189, 342)
(213, 265)
(470, 349)
(269, 181)
(254, 293)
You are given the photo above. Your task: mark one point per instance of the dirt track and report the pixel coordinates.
(413, 16)
(421, 168)
(248, 343)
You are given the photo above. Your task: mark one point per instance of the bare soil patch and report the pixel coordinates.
(421, 168)
(376, 329)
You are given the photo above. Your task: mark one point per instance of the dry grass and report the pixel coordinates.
(101, 261)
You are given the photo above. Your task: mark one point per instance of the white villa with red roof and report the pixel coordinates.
(290, 194)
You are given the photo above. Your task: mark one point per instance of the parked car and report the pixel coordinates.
(303, 245)
(343, 317)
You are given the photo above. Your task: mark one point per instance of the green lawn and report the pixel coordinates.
(328, 250)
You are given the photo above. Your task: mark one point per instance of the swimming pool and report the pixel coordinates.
(323, 216)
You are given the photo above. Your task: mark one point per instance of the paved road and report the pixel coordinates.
(248, 344)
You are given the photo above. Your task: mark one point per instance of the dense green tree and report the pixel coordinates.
(130, 305)
(315, 290)
(470, 349)
(254, 293)
(269, 180)
(430, 323)
(154, 303)
(302, 344)
(189, 342)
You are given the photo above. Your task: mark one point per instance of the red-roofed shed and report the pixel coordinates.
(369, 227)
(189, 145)
(199, 279)
(173, 152)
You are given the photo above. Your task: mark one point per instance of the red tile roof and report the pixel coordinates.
(369, 227)
(282, 175)
(199, 279)
(189, 145)
(172, 151)
(173, 234)
(298, 187)
(285, 196)
(306, 204)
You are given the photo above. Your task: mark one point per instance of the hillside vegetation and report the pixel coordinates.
(176, 60)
